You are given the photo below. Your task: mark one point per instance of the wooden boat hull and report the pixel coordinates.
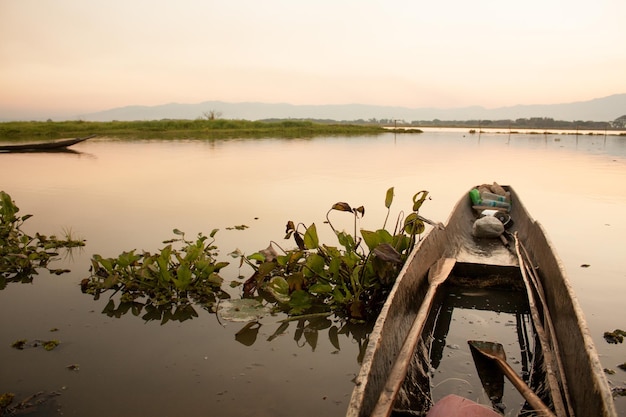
(43, 146)
(588, 389)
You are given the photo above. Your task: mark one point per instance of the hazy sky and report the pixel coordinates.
(78, 56)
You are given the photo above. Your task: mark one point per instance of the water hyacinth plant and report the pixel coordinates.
(22, 255)
(161, 286)
(350, 279)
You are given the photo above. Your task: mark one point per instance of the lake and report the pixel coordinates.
(122, 194)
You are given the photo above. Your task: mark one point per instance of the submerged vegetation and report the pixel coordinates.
(182, 129)
(21, 255)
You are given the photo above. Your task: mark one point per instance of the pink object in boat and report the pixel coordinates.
(455, 406)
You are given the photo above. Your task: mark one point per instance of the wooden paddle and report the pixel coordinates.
(437, 274)
(551, 356)
(495, 351)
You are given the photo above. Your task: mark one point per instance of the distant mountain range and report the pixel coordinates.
(600, 109)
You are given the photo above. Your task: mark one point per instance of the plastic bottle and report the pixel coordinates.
(475, 196)
(486, 195)
(492, 203)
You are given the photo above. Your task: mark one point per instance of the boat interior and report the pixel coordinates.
(477, 302)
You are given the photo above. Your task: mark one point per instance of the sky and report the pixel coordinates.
(71, 57)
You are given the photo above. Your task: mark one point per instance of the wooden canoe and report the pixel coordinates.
(43, 146)
(558, 359)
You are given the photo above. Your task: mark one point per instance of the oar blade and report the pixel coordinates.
(492, 350)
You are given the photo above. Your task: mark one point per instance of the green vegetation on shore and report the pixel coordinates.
(181, 129)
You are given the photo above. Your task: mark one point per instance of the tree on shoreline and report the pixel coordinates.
(620, 122)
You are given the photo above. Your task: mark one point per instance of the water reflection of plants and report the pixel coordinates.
(307, 330)
(350, 280)
(162, 286)
(22, 255)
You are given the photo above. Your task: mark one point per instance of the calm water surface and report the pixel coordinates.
(123, 195)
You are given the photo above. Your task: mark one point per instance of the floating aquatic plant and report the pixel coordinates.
(50, 344)
(616, 336)
(22, 255)
(350, 279)
(27, 406)
(161, 285)
(6, 399)
(19, 344)
(47, 344)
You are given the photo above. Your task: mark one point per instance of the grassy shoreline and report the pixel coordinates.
(204, 129)
(180, 129)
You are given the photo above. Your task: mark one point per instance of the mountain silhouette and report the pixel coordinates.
(600, 109)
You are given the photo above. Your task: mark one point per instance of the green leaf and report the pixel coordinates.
(311, 240)
(177, 232)
(127, 258)
(164, 273)
(107, 264)
(220, 265)
(315, 265)
(389, 197)
(401, 242)
(110, 281)
(265, 269)
(279, 288)
(184, 277)
(300, 302)
(384, 236)
(413, 225)
(418, 199)
(257, 256)
(372, 240)
(333, 266)
(346, 240)
(320, 288)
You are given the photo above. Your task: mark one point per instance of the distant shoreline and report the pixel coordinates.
(525, 131)
(229, 129)
(182, 129)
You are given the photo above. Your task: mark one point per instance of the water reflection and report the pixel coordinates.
(148, 311)
(308, 331)
(44, 151)
(121, 194)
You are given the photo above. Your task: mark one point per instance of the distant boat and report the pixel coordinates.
(43, 146)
